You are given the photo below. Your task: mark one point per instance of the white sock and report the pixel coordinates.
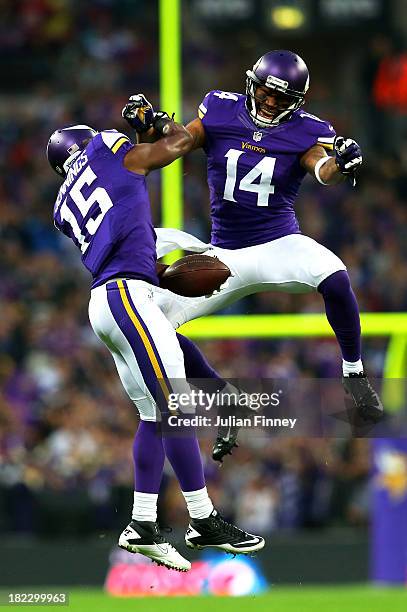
(198, 503)
(145, 507)
(352, 367)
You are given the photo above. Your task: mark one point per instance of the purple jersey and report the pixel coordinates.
(254, 174)
(105, 209)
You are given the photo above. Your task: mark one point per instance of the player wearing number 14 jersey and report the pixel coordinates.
(259, 147)
(254, 173)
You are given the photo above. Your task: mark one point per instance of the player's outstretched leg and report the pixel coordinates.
(143, 535)
(197, 367)
(343, 315)
(206, 528)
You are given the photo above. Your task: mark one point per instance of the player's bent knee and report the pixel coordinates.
(147, 409)
(335, 285)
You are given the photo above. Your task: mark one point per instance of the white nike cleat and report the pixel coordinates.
(144, 537)
(215, 532)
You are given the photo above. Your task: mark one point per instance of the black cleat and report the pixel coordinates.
(215, 532)
(227, 431)
(223, 446)
(367, 402)
(144, 537)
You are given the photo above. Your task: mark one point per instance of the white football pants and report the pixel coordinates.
(294, 263)
(124, 315)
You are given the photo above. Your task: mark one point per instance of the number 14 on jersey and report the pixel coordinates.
(262, 173)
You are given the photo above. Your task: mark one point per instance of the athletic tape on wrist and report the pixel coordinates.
(318, 167)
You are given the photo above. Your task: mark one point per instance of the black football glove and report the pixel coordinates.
(348, 155)
(139, 113)
(161, 122)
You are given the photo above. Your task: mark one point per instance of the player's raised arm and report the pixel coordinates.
(333, 170)
(197, 131)
(139, 114)
(174, 142)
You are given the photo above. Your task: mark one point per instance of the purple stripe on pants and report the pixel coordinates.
(147, 332)
(133, 337)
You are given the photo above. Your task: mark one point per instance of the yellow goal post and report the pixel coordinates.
(392, 325)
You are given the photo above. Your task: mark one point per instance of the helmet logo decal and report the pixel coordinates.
(71, 150)
(66, 144)
(257, 136)
(273, 81)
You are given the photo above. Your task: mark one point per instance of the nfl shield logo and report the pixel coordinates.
(257, 136)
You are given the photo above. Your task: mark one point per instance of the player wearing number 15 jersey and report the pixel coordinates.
(95, 208)
(103, 206)
(259, 147)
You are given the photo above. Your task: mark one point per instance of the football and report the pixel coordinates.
(194, 275)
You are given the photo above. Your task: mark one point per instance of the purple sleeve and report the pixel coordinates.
(217, 112)
(203, 107)
(206, 115)
(318, 131)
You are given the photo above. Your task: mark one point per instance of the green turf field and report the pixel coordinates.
(284, 599)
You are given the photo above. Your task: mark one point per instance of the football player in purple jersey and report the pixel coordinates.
(259, 147)
(103, 206)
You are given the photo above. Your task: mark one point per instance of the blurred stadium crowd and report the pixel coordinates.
(66, 427)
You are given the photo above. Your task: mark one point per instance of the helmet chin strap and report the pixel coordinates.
(263, 122)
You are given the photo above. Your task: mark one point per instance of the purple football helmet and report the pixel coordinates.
(283, 72)
(65, 144)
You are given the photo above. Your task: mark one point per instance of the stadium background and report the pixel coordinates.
(66, 427)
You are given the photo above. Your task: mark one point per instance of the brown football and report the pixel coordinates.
(194, 275)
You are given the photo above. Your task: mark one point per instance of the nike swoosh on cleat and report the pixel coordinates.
(254, 541)
(163, 549)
